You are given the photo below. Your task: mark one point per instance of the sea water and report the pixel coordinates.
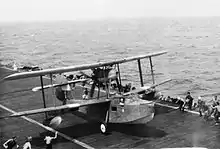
(193, 46)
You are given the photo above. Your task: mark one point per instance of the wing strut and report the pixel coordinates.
(152, 71)
(106, 82)
(52, 89)
(119, 75)
(43, 95)
(98, 90)
(140, 72)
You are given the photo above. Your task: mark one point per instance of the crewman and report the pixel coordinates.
(27, 144)
(189, 100)
(214, 101)
(182, 103)
(63, 92)
(217, 113)
(67, 88)
(11, 143)
(200, 105)
(85, 94)
(214, 104)
(48, 140)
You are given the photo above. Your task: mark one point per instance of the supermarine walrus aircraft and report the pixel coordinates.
(119, 107)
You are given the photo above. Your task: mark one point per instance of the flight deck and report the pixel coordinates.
(169, 128)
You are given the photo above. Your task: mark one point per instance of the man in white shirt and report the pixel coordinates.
(11, 143)
(27, 144)
(182, 103)
(48, 141)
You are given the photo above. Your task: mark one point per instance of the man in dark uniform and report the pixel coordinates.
(11, 143)
(189, 100)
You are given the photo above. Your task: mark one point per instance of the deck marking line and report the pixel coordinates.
(49, 129)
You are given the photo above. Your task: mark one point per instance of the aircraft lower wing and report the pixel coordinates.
(146, 88)
(63, 107)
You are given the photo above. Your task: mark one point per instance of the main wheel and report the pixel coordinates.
(103, 128)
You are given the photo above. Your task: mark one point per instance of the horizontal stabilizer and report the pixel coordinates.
(78, 67)
(56, 85)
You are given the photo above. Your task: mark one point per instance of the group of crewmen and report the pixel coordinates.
(12, 143)
(203, 108)
(183, 102)
(209, 110)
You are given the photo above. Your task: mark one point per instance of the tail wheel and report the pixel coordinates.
(103, 128)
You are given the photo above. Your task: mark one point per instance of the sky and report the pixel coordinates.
(32, 10)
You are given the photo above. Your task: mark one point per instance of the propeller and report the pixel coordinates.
(100, 77)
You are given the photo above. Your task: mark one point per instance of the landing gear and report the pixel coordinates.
(103, 125)
(103, 128)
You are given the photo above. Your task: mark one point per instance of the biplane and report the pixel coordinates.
(122, 106)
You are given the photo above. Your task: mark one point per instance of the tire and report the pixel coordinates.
(103, 128)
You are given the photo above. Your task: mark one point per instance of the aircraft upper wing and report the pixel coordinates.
(78, 67)
(63, 107)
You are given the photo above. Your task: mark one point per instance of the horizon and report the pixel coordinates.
(57, 10)
(108, 19)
